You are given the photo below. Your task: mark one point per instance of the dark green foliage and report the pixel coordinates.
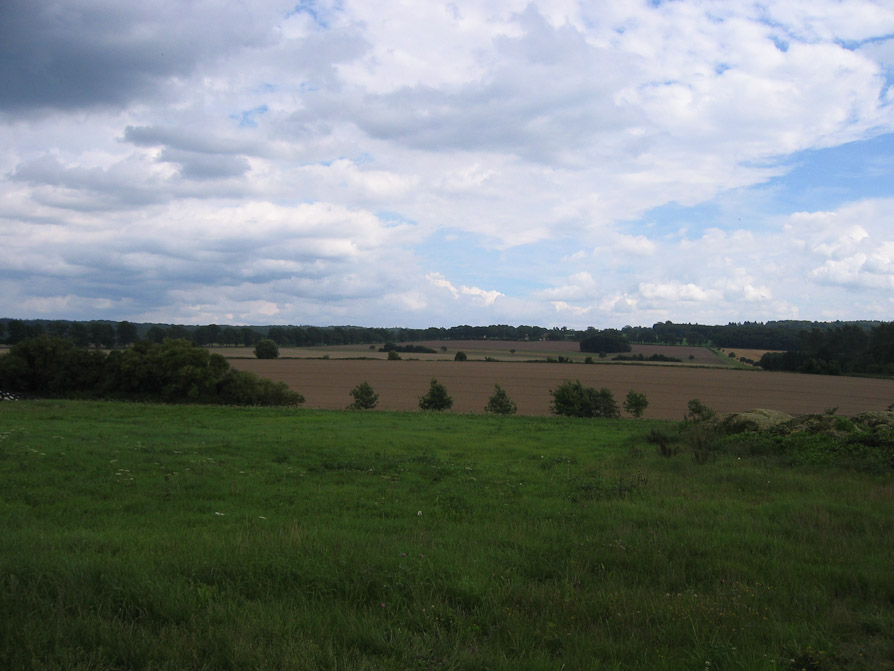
(239, 387)
(175, 371)
(267, 349)
(609, 340)
(573, 399)
(407, 349)
(850, 348)
(460, 356)
(500, 403)
(126, 334)
(364, 397)
(698, 411)
(436, 398)
(643, 357)
(102, 334)
(636, 403)
(51, 367)
(393, 355)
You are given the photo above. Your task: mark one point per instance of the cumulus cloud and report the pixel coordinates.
(304, 162)
(479, 296)
(82, 54)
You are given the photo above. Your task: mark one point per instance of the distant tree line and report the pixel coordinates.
(840, 350)
(773, 335)
(408, 349)
(110, 334)
(176, 371)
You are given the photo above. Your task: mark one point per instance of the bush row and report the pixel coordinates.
(571, 399)
(175, 371)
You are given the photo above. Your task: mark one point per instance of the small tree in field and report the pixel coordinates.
(500, 403)
(364, 397)
(393, 355)
(436, 398)
(636, 403)
(266, 349)
(460, 356)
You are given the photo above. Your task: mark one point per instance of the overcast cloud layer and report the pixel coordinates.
(440, 163)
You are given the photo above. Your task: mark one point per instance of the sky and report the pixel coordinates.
(396, 163)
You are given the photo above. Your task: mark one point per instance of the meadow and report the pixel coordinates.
(197, 537)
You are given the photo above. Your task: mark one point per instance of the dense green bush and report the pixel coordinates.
(575, 400)
(407, 349)
(51, 367)
(636, 403)
(436, 398)
(174, 371)
(267, 349)
(364, 397)
(609, 340)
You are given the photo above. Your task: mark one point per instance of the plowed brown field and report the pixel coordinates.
(327, 384)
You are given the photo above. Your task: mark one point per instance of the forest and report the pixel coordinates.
(772, 335)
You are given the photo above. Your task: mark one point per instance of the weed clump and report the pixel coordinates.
(666, 443)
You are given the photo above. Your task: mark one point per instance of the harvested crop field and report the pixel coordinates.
(326, 383)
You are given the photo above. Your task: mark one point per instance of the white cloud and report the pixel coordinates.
(479, 296)
(292, 163)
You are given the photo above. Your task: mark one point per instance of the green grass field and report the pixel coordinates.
(176, 537)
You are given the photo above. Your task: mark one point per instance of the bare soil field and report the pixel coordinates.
(327, 384)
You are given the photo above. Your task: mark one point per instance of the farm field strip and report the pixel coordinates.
(326, 384)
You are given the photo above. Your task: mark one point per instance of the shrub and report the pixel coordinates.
(239, 387)
(174, 371)
(267, 349)
(460, 356)
(573, 399)
(364, 397)
(636, 403)
(500, 403)
(393, 355)
(698, 411)
(436, 398)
